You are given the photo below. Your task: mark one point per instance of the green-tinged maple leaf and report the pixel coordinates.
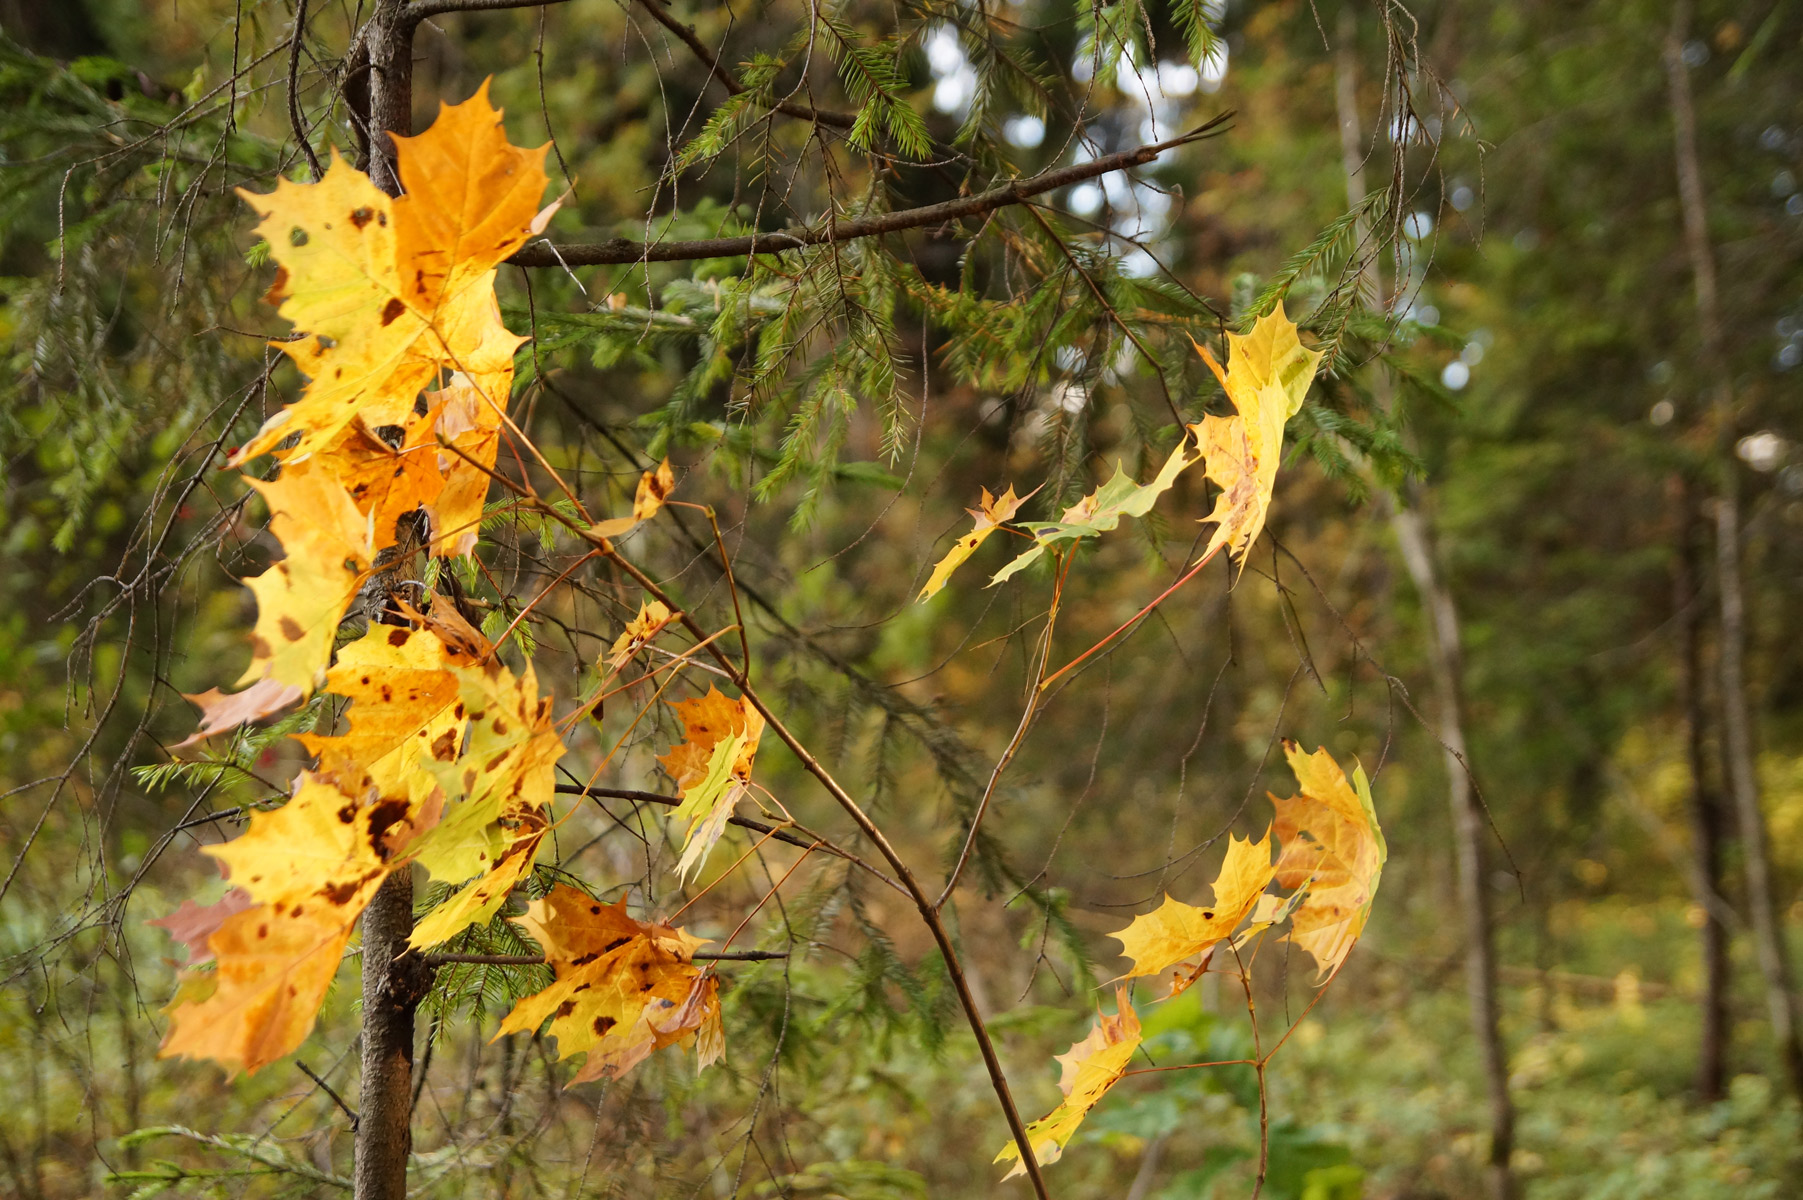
(1102, 510)
(994, 513)
(1333, 854)
(712, 768)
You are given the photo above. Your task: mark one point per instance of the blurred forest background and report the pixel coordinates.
(1563, 414)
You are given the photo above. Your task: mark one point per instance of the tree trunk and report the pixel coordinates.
(1706, 815)
(1736, 719)
(393, 985)
(1414, 538)
(1469, 831)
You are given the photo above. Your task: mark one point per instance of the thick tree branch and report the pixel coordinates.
(436, 8)
(620, 251)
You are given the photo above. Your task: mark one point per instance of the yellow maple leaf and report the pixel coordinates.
(1176, 932)
(499, 779)
(711, 768)
(1268, 375)
(312, 865)
(328, 549)
(392, 292)
(322, 848)
(385, 482)
(624, 988)
(652, 617)
(478, 902)
(468, 432)
(994, 513)
(1088, 1069)
(405, 707)
(1333, 848)
(654, 488)
(261, 1000)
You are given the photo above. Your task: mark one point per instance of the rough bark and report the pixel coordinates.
(394, 982)
(393, 986)
(1735, 714)
(1707, 818)
(1414, 537)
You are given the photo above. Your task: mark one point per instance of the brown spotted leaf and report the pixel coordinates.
(623, 989)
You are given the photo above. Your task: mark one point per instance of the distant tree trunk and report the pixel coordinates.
(1736, 719)
(393, 982)
(1706, 816)
(1414, 538)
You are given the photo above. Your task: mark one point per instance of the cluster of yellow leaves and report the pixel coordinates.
(1330, 854)
(624, 988)
(447, 759)
(1268, 376)
(712, 768)
(390, 298)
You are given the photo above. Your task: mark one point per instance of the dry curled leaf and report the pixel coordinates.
(653, 616)
(1089, 1069)
(654, 488)
(224, 711)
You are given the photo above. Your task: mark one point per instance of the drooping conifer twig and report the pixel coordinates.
(621, 251)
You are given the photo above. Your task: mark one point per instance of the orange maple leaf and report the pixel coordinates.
(712, 768)
(1333, 848)
(624, 988)
(312, 866)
